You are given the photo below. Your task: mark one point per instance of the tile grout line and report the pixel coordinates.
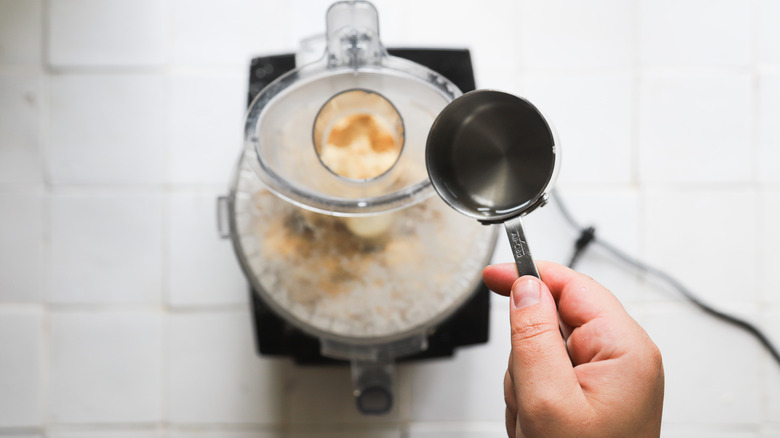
(636, 84)
(45, 157)
(636, 145)
(165, 358)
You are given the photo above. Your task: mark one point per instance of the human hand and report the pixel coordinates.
(611, 381)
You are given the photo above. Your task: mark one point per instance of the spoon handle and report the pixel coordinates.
(519, 244)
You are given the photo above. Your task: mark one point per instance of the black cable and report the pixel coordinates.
(587, 236)
(684, 291)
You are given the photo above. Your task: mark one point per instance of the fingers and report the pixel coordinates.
(499, 278)
(599, 339)
(611, 378)
(580, 298)
(540, 367)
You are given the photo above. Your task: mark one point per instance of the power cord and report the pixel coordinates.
(588, 236)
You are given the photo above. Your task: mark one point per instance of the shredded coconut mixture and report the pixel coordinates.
(414, 266)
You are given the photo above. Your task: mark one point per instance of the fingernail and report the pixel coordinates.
(526, 293)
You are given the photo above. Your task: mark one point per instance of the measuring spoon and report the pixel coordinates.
(492, 156)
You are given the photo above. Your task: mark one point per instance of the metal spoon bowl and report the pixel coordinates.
(492, 156)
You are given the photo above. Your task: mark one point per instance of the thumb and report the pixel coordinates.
(540, 367)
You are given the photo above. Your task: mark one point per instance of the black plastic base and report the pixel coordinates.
(276, 337)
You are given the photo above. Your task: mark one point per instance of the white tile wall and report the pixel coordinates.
(768, 130)
(106, 248)
(206, 126)
(711, 370)
(696, 129)
(440, 393)
(699, 432)
(21, 337)
(615, 214)
(100, 33)
(366, 433)
(199, 433)
(22, 262)
(324, 396)
(499, 34)
(607, 132)
(107, 128)
(20, 32)
(457, 430)
(769, 254)
(696, 237)
(203, 267)
(105, 366)
(123, 316)
(22, 435)
(20, 154)
(770, 432)
(71, 432)
(768, 33)
(695, 33)
(232, 32)
(564, 33)
(771, 323)
(214, 375)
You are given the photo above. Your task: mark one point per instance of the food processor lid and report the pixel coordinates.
(345, 135)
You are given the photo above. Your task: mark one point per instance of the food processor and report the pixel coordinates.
(331, 212)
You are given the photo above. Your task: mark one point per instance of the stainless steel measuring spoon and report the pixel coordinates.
(492, 156)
